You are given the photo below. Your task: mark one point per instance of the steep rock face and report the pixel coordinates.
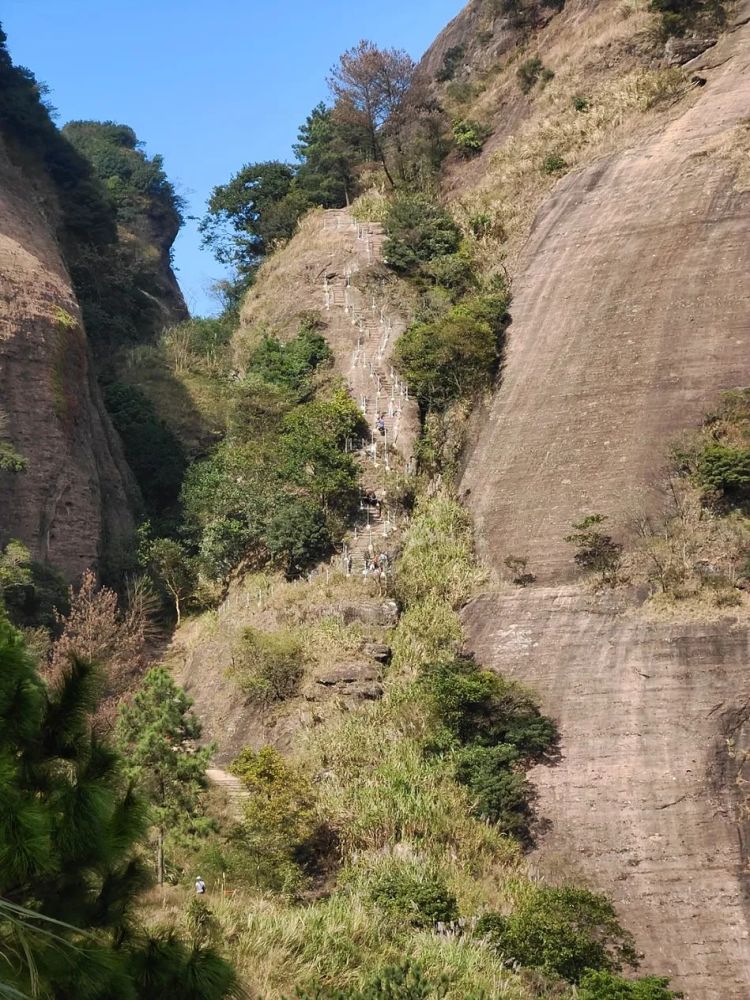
(648, 800)
(74, 498)
(631, 313)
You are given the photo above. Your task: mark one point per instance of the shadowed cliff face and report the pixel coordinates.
(631, 313)
(74, 494)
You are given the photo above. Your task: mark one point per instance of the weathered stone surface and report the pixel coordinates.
(76, 492)
(346, 673)
(383, 613)
(631, 313)
(378, 651)
(678, 51)
(647, 801)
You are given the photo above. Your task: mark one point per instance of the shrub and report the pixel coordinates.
(289, 365)
(566, 930)
(297, 535)
(725, 469)
(452, 62)
(478, 707)
(420, 896)
(469, 137)
(519, 572)
(457, 272)
(596, 552)
(500, 791)
(268, 666)
(581, 103)
(455, 356)
(530, 72)
(608, 986)
(554, 164)
(418, 230)
(151, 449)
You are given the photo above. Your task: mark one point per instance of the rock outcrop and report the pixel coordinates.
(73, 501)
(631, 313)
(333, 269)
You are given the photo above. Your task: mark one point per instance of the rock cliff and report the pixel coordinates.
(631, 312)
(73, 501)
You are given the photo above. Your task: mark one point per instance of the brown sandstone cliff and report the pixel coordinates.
(72, 503)
(631, 312)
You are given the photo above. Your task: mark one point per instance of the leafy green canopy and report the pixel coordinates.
(493, 730)
(136, 183)
(418, 230)
(69, 832)
(456, 355)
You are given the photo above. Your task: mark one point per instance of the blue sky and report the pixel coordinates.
(209, 84)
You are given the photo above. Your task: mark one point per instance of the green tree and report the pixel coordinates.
(374, 92)
(157, 733)
(328, 151)
(280, 815)
(258, 206)
(457, 355)
(596, 551)
(173, 570)
(418, 230)
(69, 869)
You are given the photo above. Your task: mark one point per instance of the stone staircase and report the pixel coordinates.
(373, 382)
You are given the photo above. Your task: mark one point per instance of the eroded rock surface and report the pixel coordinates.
(631, 312)
(76, 492)
(648, 800)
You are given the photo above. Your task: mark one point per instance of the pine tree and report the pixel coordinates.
(70, 823)
(157, 732)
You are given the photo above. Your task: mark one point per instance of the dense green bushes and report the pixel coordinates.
(280, 828)
(418, 230)
(136, 184)
(469, 136)
(456, 355)
(281, 486)
(268, 666)
(494, 729)
(418, 896)
(566, 931)
(153, 452)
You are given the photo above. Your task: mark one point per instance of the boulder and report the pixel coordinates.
(679, 51)
(378, 651)
(382, 613)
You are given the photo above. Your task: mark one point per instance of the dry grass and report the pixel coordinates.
(516, 182)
